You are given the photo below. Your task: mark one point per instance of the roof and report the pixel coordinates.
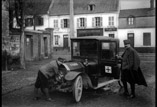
(142, 12)
(96, 38)
(62, 7)
(37, 7)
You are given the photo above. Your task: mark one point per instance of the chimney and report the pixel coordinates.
(152, 4)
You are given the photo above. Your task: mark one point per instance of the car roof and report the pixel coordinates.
(100, 38)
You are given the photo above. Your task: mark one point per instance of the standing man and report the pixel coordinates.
(46, 72)
(131, 71)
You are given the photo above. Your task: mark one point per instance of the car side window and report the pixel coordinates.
(76, 49)
(108, 50)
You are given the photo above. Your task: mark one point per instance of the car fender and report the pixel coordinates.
(71, 75)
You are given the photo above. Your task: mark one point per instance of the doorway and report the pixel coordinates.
(65, 41)
(29, 47)
(131, 38)
(45, 46)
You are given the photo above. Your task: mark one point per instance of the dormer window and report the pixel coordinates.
(91, 7)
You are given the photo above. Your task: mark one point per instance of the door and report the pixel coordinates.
(131, 38)
(29, 47)
(45, 46)
(65, 41)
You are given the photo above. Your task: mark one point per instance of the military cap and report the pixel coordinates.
(61, 59)
(126, 42)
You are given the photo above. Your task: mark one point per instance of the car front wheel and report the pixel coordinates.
(78, 88)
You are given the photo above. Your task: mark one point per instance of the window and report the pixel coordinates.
(39, 21)
(146, 39)
(111, 21)
(111, 35)
(97, 22)
(29, 22)
(55, 23)
(65, 23)
(76, 49)
(91, 7)
(56, 39)
(131, 20)
(108, 50)
(85, 48)
(81, 22)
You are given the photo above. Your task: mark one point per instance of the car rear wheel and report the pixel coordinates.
(77, 88)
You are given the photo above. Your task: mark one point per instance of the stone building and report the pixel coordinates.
(37, 44)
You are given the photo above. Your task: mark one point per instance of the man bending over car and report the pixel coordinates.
(46, 72)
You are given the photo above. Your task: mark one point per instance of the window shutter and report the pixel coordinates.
(100, 21)
(93, 22)
(62, 23)
(54, 23)
(112, 21)
(85, 22)
(68, 23)
(109, 20)
(78, 22)
(57, 23)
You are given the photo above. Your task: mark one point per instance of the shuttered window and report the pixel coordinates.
(55, 23)
(81, 22)
(56, 39)
(111, 21)
(28, 22)
(39, 21)
(97, 22)
(65, 23)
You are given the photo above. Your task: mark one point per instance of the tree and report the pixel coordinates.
(19, 14)
(20, 9)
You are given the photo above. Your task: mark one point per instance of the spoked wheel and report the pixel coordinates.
(77, 88)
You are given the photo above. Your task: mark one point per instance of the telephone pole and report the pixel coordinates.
(71, 21)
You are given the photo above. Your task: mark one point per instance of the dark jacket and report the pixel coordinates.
(131, 71)
(130, 59)
(49, 69)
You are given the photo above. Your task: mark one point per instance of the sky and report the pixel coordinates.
(129, 4)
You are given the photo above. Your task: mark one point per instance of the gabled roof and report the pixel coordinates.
(62, 7)
(37, 6)
(142, 12)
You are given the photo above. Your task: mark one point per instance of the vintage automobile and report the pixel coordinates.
(93, 65)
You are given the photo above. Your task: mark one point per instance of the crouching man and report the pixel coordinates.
(46, 72)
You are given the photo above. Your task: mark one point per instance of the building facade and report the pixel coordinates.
(97, 17)
(138, 25)
(91, 17)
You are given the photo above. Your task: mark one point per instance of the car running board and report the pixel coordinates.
(100, 85)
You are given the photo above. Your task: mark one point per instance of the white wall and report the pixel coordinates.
(138, 36)
(105, 18)
(59, 31)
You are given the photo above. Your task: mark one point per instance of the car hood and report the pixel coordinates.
(73, 66)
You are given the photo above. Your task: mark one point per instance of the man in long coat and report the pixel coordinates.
(131, 71)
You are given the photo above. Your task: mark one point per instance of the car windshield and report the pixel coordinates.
(85, 48)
